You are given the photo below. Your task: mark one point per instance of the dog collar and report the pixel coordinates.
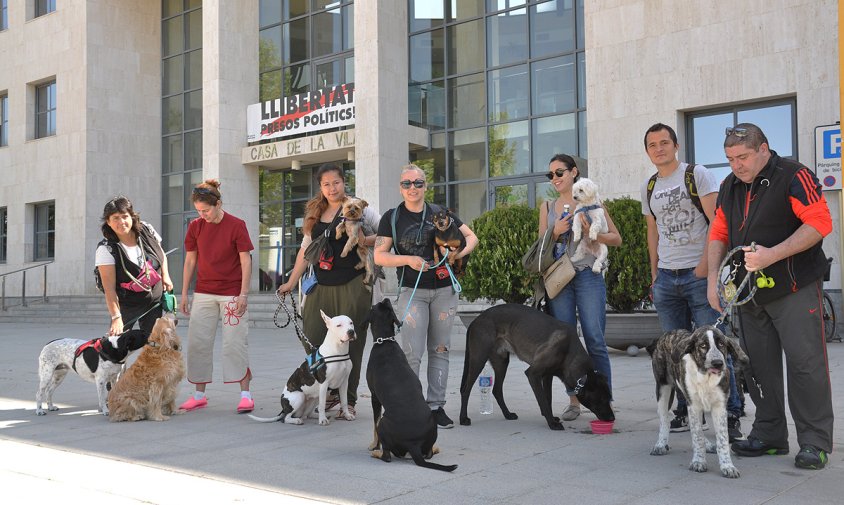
(581, 383)
(380, 340)
(152, 344)
(352, 220)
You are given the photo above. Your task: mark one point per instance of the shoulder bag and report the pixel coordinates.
(558, 275)
(320, 244)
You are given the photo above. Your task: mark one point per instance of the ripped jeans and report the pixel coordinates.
(427, 325)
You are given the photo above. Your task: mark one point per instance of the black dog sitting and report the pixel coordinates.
(449, 236)
(407, 426)
(550, 347)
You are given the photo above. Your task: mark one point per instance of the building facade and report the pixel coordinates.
(147, 98)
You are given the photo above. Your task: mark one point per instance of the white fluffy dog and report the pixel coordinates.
(585, 193)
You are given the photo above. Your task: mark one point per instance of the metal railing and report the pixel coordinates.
(22, 271)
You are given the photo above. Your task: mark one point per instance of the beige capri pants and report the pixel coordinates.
(205, 311)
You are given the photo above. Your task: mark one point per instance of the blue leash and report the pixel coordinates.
(455, 284)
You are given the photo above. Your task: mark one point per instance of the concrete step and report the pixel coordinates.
(91, 309)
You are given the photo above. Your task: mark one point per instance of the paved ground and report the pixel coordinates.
(216, 456)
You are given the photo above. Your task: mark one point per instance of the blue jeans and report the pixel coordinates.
(586, 297)
(680, 300)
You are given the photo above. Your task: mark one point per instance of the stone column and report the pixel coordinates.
(381, 129)
(229, 84)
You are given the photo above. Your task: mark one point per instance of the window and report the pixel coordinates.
(502, 85)
(3, 228)
(4, 14)
(778, 119)
(4, 120)
(45, 231)
(304, 44)
(45, 110)
(43, 7)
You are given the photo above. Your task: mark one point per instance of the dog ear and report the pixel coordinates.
(324, 317)
(736, 351)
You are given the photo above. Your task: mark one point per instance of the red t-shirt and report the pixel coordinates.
(218, 248)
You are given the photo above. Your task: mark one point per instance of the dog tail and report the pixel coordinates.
(279, 417)
(416, 454)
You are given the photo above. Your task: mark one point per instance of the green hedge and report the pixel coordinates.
(629, 274)
(495, 268)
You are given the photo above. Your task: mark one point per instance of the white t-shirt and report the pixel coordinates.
(134, 253)
(681, 226)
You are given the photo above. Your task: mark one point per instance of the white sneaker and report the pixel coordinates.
(570, 413)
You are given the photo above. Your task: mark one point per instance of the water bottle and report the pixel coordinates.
(560, 245)
(485, 388)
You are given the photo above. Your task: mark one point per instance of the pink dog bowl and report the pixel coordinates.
(601, 427)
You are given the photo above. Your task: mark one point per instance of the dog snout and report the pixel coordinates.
(351, 334)
(717, 363)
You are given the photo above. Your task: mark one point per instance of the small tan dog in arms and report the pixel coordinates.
(352, 225)
(148, 388)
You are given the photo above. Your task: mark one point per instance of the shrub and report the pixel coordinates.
(629, 274)
(494, 271)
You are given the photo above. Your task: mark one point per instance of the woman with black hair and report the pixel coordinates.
(132, 267)
(340, 288)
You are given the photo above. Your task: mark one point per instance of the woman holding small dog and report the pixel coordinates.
(132, 268)
(585, 297)
(340, 286)
(218, 250)
(433, 302)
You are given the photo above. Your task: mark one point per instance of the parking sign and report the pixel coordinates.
(828, 156)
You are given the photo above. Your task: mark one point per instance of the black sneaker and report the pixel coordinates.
(752, 447)
(443, 421)
(734, 428)
(810, 458)
(679, 423)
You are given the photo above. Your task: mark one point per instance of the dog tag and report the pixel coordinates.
(729, 291)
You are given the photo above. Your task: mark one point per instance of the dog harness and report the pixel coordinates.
(97, 345)
(316, 360)
(586, 211)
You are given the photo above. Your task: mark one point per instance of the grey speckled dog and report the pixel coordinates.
(99, 361)
(696, 363)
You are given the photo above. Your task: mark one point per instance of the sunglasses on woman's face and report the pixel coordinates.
(418, 183)
(559, 173)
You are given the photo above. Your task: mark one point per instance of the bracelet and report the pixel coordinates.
(243, 296)
(116, 316)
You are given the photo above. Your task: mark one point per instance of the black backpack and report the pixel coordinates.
(691, 187)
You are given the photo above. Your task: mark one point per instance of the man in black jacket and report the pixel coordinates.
(777, 204)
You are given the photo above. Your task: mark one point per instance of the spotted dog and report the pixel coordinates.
(695, 363)
(99, 361)
(308, 385)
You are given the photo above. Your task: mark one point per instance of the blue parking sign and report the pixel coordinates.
(828, 156)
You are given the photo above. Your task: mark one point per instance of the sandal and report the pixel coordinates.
(352, 411)
(193, 404)
(331, 402)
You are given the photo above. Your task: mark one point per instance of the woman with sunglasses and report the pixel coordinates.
(132, 268)
(427, 299)
(585, 297)
(218, 250)
(340, 288)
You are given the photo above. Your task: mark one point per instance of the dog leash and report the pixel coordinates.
(731, 300)
(291, 317)
(455, 284)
